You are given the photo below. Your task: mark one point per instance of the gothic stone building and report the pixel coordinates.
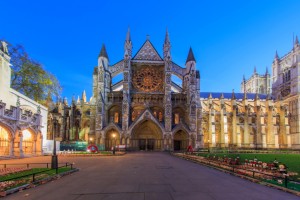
(257, 83)
(146, 110)
(22, 121)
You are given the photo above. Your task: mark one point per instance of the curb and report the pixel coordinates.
(242, 176)
(36, 183)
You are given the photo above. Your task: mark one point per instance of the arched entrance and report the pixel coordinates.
(112, 138)
(181, 140)
(146, 136)
(4, 142)
(28, 142)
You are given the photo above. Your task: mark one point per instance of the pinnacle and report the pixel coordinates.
(276, 55)
(190, 56)
(167, 38)
(128, 38)
(103, 52)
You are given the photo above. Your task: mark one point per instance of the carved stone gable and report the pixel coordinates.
(147, 52)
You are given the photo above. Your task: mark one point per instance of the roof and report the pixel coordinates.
(103, 52)
(191, 56)
(228, 95)
(147, 52)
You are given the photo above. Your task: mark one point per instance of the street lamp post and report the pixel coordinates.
(208, 146)
(54, 160)
(114, 143)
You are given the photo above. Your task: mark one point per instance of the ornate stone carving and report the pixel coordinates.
(147, 80)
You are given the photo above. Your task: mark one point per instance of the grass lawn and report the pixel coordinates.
(40, 174)
(292, 161)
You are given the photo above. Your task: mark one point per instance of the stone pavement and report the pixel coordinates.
(145, 175)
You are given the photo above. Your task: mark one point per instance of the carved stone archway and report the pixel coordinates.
(146, 135)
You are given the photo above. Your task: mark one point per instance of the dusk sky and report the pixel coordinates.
(228, 37)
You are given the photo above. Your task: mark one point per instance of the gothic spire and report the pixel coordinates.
(128, 45)
(167, 39)
(103, 52)
(245, 94)
(78, 100)
(244, 79)
(222, 96)
(128, 38)
(276, 56)
(267, 71)
(296, 40)
(255, 70)
(84, 96)
(190, 56)
(73, 99)
(233, 95)
(256, 96)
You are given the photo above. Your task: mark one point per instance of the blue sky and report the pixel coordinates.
(228, 38)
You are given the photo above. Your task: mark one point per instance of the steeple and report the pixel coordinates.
(255, 70)
(267, 71)
(103, 52)
(244, 79)
(190, 56)
(84, 96)
(78, 100)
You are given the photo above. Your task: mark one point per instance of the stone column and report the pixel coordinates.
(234, 121)
(246, 136)
(11, 147)
(21, 144)
(34, 147)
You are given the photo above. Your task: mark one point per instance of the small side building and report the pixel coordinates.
(23, 123)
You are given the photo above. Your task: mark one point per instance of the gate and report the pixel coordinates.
(4, 147)
(146, 144)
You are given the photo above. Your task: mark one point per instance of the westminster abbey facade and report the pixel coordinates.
(146, 110)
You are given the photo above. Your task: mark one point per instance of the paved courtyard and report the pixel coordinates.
(145, 175)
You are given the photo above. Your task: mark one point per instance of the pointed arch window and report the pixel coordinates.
(160, 116)
(176, 118)
(116, 117)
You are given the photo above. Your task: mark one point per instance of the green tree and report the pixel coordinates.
(30, 78)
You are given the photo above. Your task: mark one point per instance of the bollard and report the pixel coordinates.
(285, 181)
(56, 170)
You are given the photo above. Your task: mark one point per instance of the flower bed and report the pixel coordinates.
(6, 171)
